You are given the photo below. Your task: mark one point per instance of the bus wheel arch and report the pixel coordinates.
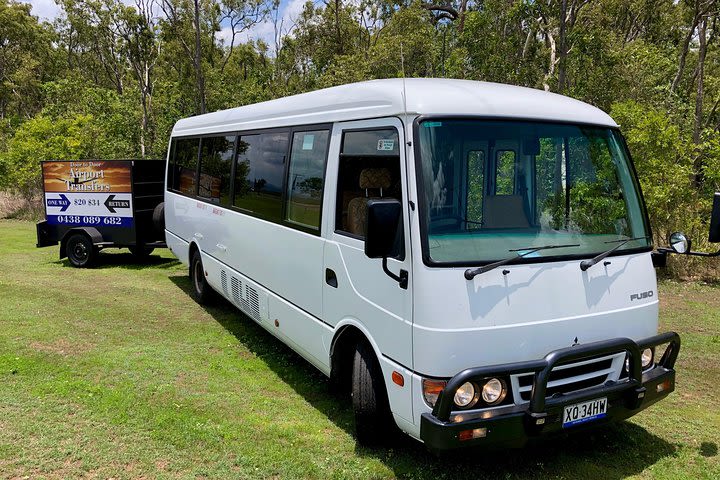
(200, 289)
(342, 351)
(355, 369)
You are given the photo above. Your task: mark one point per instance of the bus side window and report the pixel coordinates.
(306, 178)
(216, 154)
(184, 177)
(369, 168)
(259, 173)
(171, 164)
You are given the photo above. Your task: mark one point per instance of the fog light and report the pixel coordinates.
(493, 392)
(472, 434)
(465, 395)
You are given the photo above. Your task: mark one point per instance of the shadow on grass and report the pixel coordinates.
(127, 260)
(608, 453)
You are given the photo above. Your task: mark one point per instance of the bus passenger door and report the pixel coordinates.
(367, 161)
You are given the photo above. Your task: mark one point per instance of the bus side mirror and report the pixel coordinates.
(714, 236)
(679, 242)
(383, 235)
(381, 229)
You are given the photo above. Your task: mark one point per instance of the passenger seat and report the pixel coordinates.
(370, 179)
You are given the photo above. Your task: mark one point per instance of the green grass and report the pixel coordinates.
(116, 372)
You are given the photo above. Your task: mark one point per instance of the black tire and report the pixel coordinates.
(158, 218)
(200, 289)
(141, 253)
(80, 250)
(374, 424)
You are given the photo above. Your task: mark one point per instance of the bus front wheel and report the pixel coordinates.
(373, 420)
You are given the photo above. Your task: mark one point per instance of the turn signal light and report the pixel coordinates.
(472, 434)
(398, 379)
(431, 390)
(661, 387)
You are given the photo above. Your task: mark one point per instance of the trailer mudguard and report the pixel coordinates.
(91, 232)
(45, 234)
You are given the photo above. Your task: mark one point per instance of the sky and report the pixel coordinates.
(289, 10)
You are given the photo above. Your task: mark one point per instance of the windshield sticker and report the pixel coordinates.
(308, 141)
(432, 124)
(386, 145)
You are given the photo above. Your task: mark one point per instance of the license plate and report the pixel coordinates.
(584, 412)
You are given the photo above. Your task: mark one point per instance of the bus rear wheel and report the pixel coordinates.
(80, 251)
(373, 420)
(201, 290)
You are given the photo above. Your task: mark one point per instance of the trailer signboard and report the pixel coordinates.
(88, 193)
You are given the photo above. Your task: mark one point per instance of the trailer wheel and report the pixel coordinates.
(80, 250)
(201, 290)
(373, 420)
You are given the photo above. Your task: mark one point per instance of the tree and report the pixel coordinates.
(192, 26)
(27, 59)
(137, 28)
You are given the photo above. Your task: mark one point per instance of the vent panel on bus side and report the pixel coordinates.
(252, 302)
(223, 279)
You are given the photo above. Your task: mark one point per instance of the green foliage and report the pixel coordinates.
(45, 138)
(27, 59)
(660, 153)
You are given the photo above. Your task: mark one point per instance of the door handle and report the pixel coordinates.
(331, 278)
(199, 236)
(222, 247)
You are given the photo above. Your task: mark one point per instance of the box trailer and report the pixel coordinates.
(95, 204)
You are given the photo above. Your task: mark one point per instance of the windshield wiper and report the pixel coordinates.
(585, 264)
(470, 273)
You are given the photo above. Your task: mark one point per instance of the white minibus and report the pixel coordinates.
(469, 261)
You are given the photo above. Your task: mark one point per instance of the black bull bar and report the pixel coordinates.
(538, 405)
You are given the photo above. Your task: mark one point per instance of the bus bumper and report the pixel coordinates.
(515, 425)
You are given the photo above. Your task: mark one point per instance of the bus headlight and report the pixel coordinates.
(466, 396)
(646, 358)
(493, 391)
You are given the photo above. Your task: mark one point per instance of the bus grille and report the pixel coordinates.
(571, 377)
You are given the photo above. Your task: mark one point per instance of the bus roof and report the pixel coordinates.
(383, 98)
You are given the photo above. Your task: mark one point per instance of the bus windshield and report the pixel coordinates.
(491, 187)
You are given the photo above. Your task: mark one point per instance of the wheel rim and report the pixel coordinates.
(80, 252)
(198, 276)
